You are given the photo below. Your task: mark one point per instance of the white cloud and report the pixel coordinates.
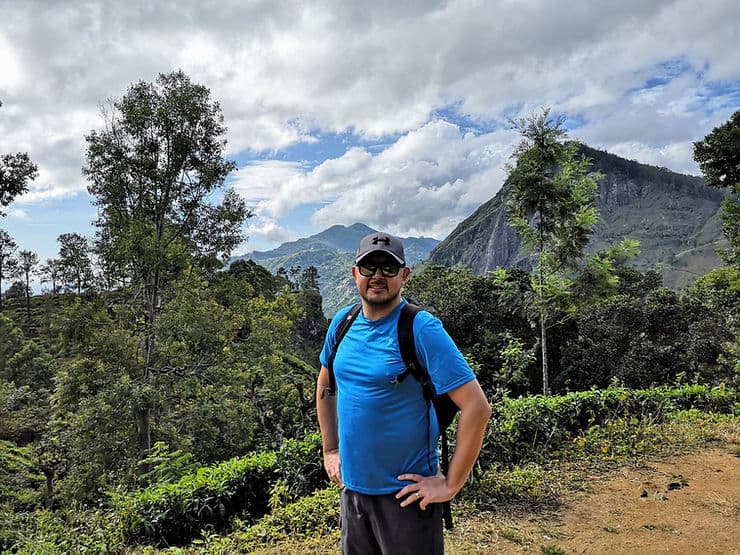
(19, 214)
(262, 230)
(423, 184)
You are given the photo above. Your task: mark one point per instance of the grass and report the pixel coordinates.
(722, 505)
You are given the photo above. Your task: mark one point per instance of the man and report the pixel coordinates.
(379, 434)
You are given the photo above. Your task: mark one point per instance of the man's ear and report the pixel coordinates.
(405, 271)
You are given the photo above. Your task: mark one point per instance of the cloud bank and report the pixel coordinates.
(433, 83)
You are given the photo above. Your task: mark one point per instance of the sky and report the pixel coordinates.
(395, 113)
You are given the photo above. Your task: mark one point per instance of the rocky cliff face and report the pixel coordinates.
(674, 216)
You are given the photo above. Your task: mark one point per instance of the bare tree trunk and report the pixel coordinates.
(145, 433)
(49, 473)
(28, 297)
(151, 296)
(542, 311)
(543, 343)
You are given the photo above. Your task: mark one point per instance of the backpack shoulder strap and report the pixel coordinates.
(342, 330)
(406, 333)
(408, 350)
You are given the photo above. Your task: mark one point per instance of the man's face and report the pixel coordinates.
(379, 288)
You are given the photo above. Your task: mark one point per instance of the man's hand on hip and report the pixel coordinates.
(425, 490)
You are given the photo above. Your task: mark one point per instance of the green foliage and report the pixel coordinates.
(482, 315)
(209, 498)
(718, 155)
(310, 516)
(599, 279)
(174, 514)
(12, 342)
(153, 172)
(166, 466)
(19, 482)
(517, 360)
(656, 338)
(307, 337)
(531, 428)
(61, 532)
(168, 135)
(31, 366)
(74, 261)
(527, 483)
(24, 412)
(301, 466)
(250, 274)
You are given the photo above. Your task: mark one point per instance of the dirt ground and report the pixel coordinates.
(688, 504)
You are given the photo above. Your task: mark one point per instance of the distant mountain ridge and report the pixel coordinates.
(337, 237)
(674, 216)
(331, 252)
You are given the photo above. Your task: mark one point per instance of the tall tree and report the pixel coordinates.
(552, 209)
(51, 271)
(718, 155)
(74, 259)
(309, 279)
(154, 171)
(16, 170)
(7, 263)
(27, 262)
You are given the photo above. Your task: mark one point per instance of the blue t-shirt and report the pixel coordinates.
(384, 430)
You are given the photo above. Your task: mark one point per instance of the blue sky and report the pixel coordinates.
(392, 114)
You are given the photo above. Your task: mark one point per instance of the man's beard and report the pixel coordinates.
(380, 303)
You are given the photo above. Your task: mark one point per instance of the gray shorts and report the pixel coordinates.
(378, 525)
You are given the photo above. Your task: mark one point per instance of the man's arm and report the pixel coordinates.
(475, 413)
(326, 409)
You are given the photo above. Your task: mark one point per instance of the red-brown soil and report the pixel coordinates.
(688, 504)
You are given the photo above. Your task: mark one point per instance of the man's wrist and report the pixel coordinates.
(328, 451)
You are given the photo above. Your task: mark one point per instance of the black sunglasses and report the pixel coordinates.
(388, 269)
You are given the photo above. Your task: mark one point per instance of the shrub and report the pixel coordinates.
(174, 514)
(211, 497)
(531, 428)
(315, 515)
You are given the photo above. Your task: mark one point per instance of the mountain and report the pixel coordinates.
(675, 217)
(331, 252)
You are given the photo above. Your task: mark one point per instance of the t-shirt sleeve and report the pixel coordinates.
(435, 349)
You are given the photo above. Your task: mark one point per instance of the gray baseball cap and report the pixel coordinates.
(381, 242)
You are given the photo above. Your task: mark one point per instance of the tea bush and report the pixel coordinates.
(311, 516)
(531, 428)
(175, 513)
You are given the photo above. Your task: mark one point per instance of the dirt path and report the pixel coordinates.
(688, 504)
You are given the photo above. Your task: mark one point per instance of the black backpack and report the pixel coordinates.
(444, 407)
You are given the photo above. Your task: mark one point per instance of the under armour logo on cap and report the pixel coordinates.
(381, 242)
